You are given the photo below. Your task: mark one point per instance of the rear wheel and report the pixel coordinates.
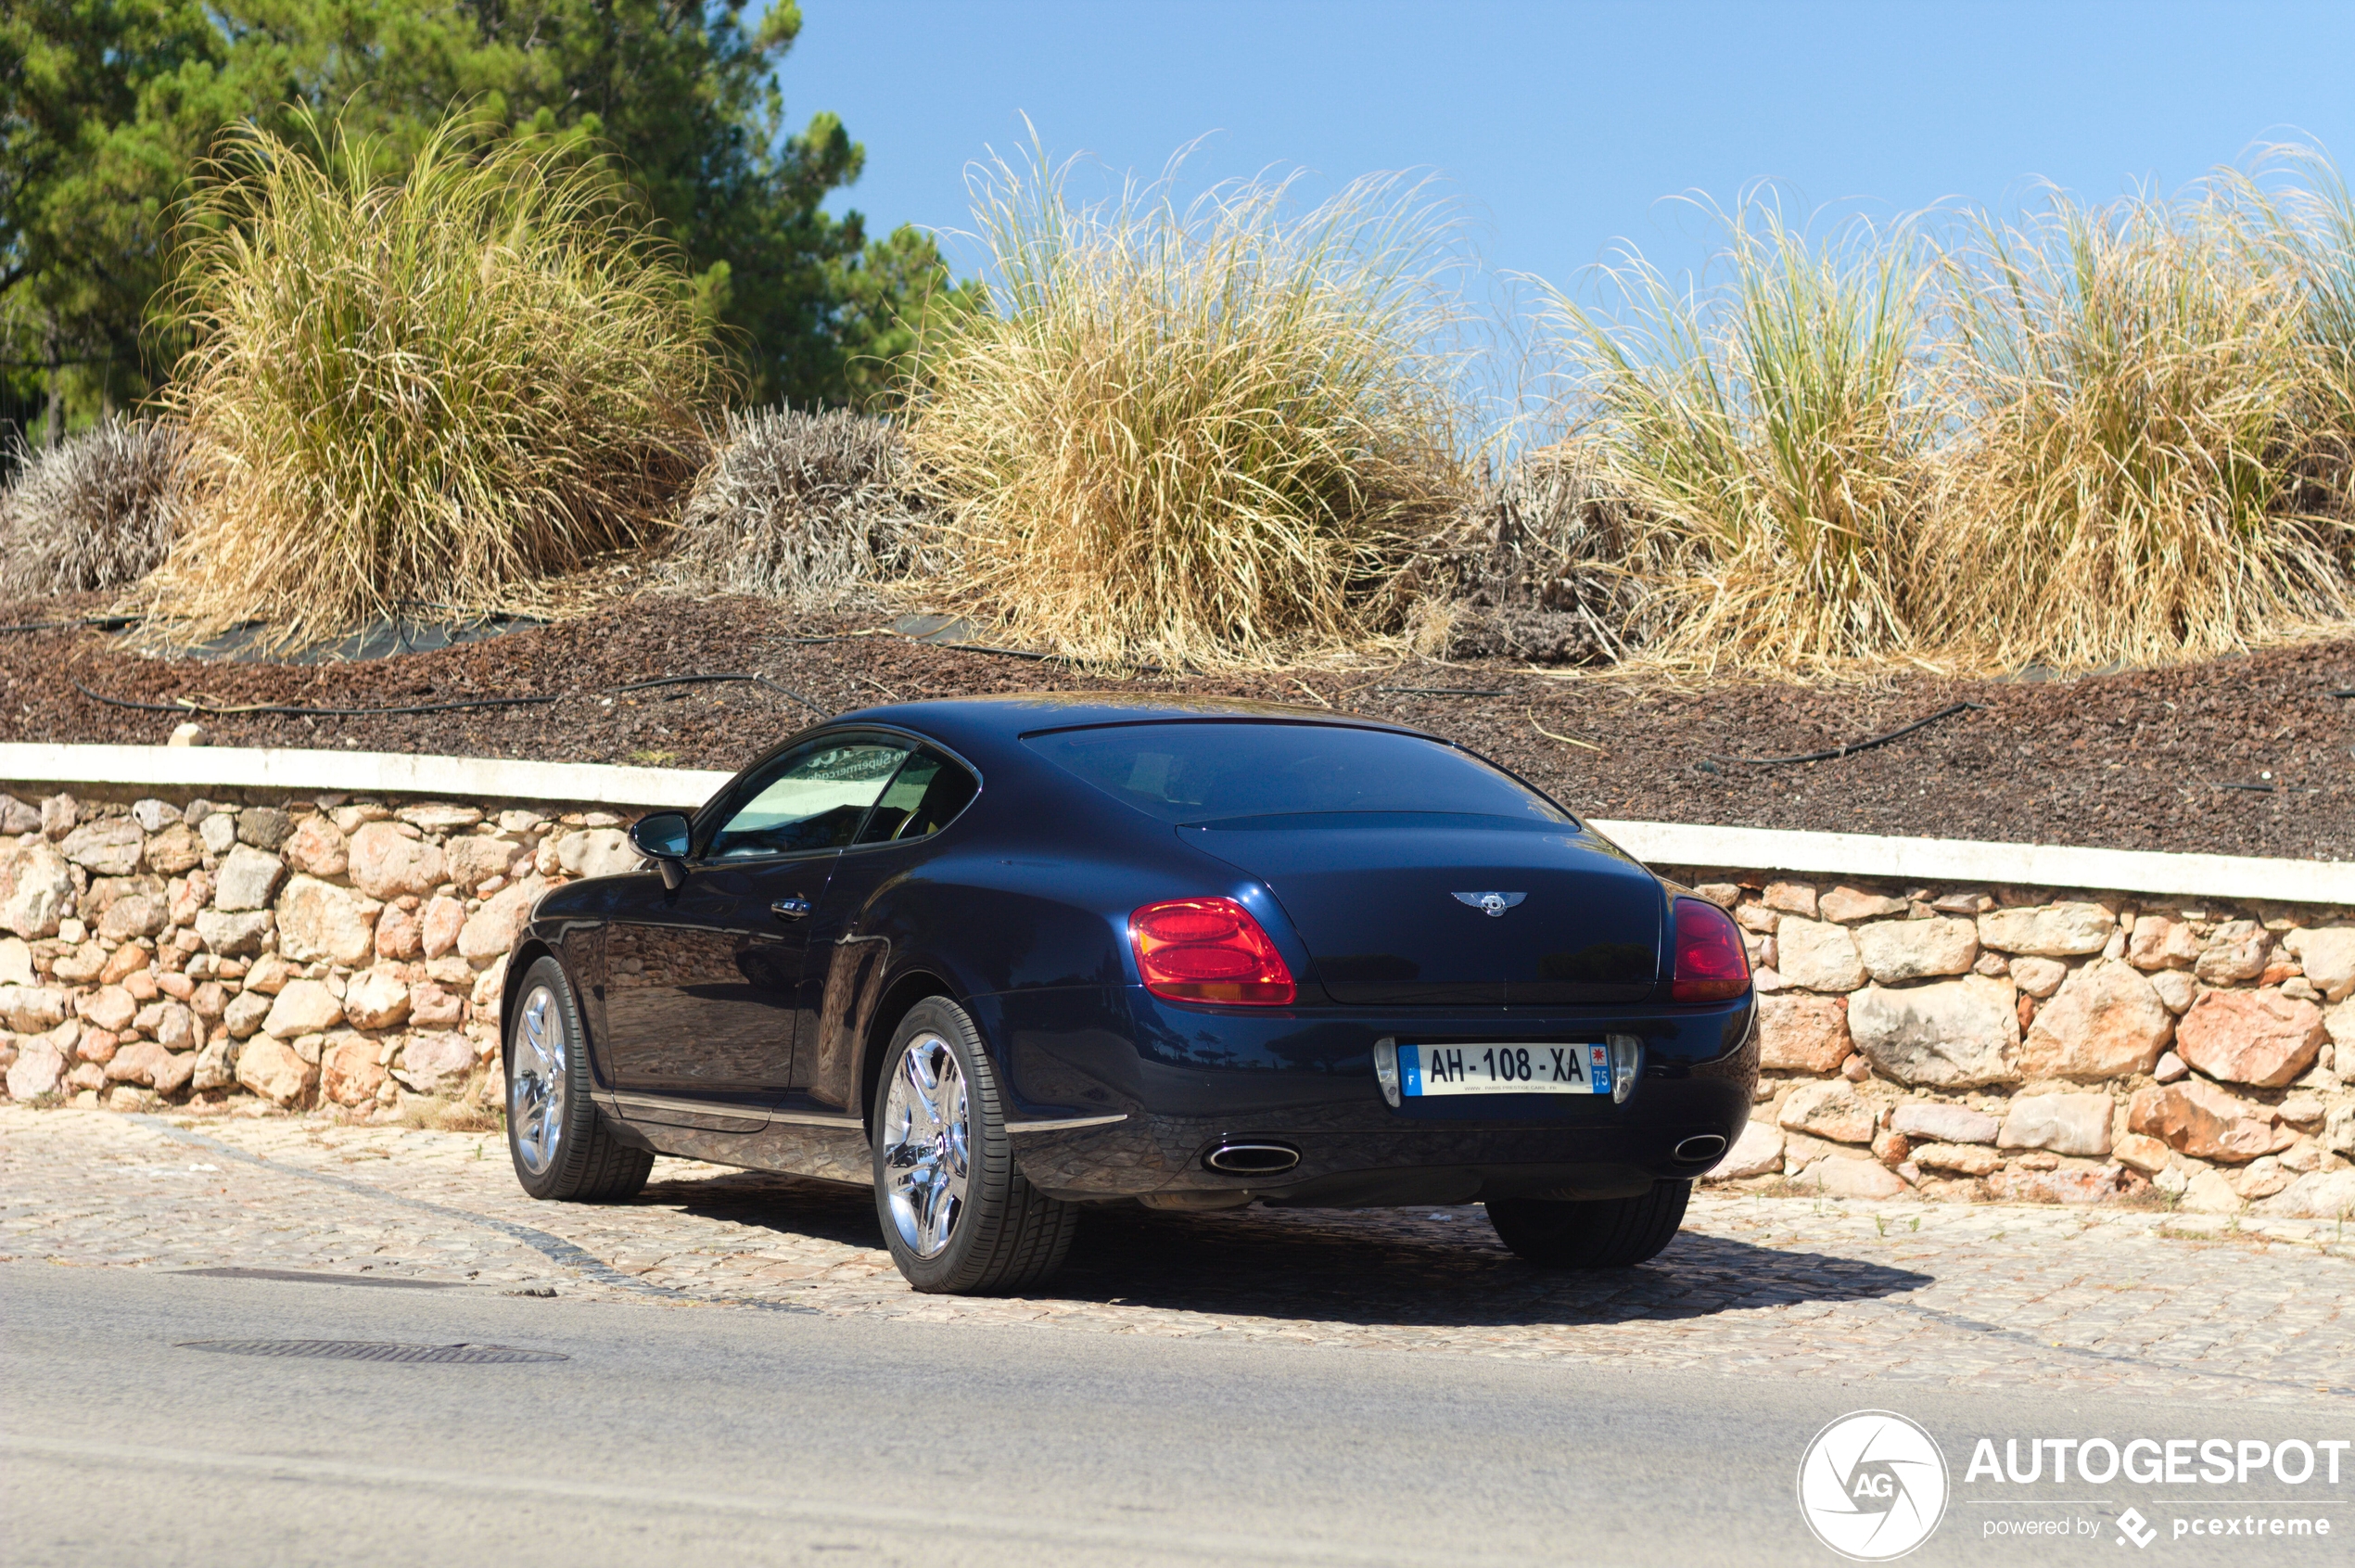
(957, 1215)
(1595, 1233)
(561, 1144)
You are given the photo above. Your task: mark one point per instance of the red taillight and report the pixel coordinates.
(1208, 949)
(1712, 963)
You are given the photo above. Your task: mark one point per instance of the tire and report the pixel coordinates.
(562, 1147)
(958, 1218)
(1596, 1233)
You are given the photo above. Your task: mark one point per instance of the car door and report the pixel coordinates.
(702, 979)
(839, 967)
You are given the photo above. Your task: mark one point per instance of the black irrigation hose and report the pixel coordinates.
(701, 680)
(191, 704)
(1438, 691)
(1838, 751)
(103, 622)
(980, 648)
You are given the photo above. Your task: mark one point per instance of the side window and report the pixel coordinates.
(813, 798)
(929, 791)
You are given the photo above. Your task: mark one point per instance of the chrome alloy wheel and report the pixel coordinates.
(536, 1082)
(925, 1154)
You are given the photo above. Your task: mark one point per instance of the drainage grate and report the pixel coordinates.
(364, 1350)
(312, 1277)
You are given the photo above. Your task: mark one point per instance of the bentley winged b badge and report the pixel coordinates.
(1491, 904)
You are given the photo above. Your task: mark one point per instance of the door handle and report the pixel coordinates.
(790, 909)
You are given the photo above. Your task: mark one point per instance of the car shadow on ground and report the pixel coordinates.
(1420, 1266)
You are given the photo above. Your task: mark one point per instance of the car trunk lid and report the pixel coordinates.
(1396, 908)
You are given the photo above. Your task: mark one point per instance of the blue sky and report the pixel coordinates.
(1559, 128)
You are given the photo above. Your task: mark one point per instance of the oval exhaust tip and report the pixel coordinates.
(1252, 1159)
(1702, 1146)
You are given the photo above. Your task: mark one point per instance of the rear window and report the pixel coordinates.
(1208, 772)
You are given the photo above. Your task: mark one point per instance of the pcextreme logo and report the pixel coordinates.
(1872, 1485)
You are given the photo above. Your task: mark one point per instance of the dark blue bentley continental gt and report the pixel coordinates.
(1003, 957)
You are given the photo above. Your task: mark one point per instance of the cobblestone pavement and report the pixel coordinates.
(2190, 1307)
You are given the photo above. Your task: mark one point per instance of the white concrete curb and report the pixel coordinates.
(1668, 844)
(358, 773)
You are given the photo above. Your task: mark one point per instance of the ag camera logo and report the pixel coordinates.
(1872, 1485)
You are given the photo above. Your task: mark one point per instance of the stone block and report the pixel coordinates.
(35, 881)
(2143, 1152)
(318, 920)
(431, 1007)
(2048, 930)
(248, 879)
(1802, 1034)
(2104, 1022)
(304, 1007)
(245, 1013)
(2039, 977)
(399, 934)
(2260, 1038)
(376, 1001)
(1758, 1152)
(1958, 1159)
(442, 921)
(2174, 989)
(2327, 954)
(349, 1071)
(1817, 955)
(493, 929)
(2235, 952)
(1848, 905)
(16, 961)
(597, 851)
(1949, 1034)
(234, 935)
(40, 1068)
(2160, 943)
(110, 847)
(1897, 951)
(111, 1008)
(2063, 1184)
(1791, 898)
(2065, 1124)
(432, 1062)
(316, 848)
(264, 827)
(273, 1069)
(29, 1010)
(474, 859)
(175, 850)
(387, 860)
(1937, 1121)
(2196, 1119)
(1851, 1176)
(439, 816)
(1827, 1110)
(2319, 1195)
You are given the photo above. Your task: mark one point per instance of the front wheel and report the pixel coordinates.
(562, 1147)
(958, 1218)
(1596, 1234)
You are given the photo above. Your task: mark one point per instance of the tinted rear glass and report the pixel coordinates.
(1204, 773)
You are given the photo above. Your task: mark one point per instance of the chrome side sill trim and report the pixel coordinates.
(712, 1117)
(815, 1118)
(1066, 1124)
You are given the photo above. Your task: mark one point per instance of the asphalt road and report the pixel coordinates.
(686, 1435)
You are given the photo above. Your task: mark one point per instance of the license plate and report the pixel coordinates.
(1427, 1070)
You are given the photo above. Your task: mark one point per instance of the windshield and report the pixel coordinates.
(1205, 773)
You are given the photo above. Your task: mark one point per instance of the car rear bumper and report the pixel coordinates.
(1120, 1095)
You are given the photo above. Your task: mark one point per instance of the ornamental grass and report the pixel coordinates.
(435, 387)
(99, 511)
(1201, 433)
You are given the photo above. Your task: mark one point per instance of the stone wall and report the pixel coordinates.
(2024, 1045)
(1951, 1043)
(332, 953)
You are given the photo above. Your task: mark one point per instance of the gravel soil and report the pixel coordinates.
(2246, 756)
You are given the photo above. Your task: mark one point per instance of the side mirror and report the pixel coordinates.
(663, 838)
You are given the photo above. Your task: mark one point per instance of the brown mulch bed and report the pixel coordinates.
(2145, 760)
